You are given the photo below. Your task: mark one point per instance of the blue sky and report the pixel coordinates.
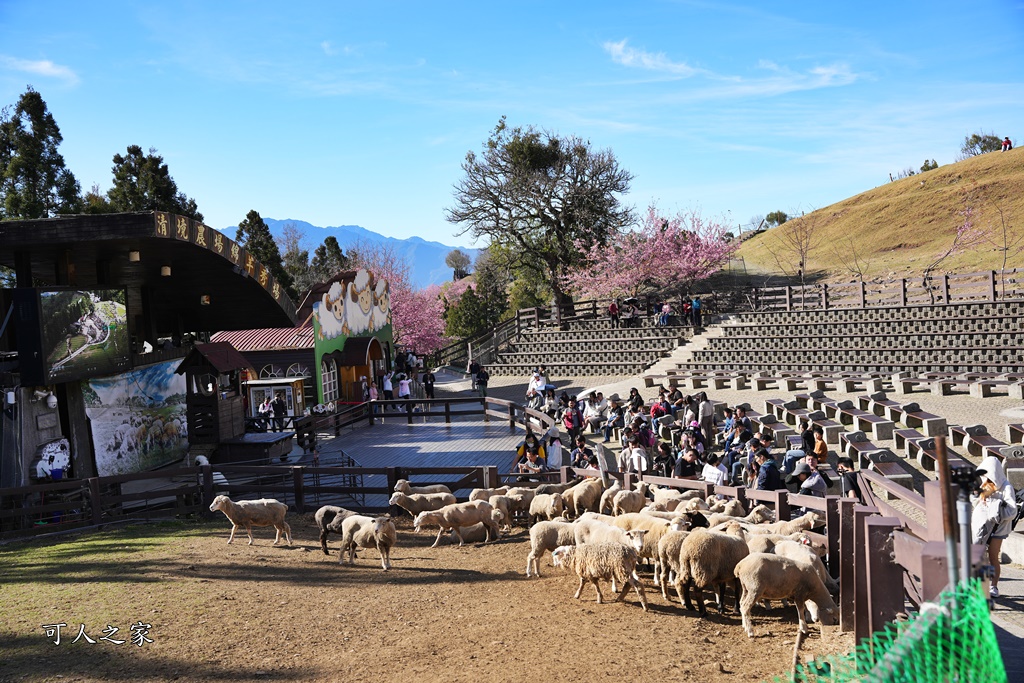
(342, 113)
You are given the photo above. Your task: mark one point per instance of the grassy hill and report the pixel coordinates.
(899, 229)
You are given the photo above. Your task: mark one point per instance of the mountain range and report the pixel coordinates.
(425, 258)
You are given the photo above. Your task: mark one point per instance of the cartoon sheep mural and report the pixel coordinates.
(359, 304)
(382, 305)
(331, 312)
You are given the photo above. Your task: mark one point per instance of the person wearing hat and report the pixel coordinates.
(537, 383)
(810, 482)
(594, 412)
(768, 477)
(995, 508)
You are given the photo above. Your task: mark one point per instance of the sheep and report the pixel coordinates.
(733, 507)
(585, 496)
(403, 486)
(473, 534)
(804, 522)
(546, 506)
(673, 497)
(250, 513)
(415, 503)
(765, 543)
(545, 537)
(329, 518)
(765, 576)
(608, 496)
(601, 561)
(594, 530)
(759, 515)
(655, 528)
(692, 505)
(669, 546)
(708, 558)
(485, 494)
(630, 501)
(458, 515)
(800, 552)
(359, 531)
(503, 505)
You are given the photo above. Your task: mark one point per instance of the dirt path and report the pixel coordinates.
(242, 613)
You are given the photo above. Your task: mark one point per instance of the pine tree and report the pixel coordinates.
(254, 235)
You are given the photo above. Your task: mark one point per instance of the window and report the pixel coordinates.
(329, 379)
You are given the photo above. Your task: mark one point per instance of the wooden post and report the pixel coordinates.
(991, 285)
(298, 485)
(94, 495)
(741, 495)
(832, 522)
(824, 296)
(565, 474)
(862, 604)
(945, 289)
(847, 587)
(490, 477)
(483, 406)
(408, 409)
(447, 412)
(781, 505)
(903, 291)
(511, 415)
(207, 490)
(884, 576)
(934, 512)
(863, 294)
(789, 298)
(393, 475)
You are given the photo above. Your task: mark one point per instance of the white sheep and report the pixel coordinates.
(250, 513)
(359, 531)
(731, 507)
(805, 522)
(605, 505)
(546, 506)
(415, 503)
(765, 576)
(655, 528)
(669, 546)
(708, 558)
(601, 561)
(503, 505)
(630, 501)
(544, 538)
(403, 486)
(800, 552)
(329, 518)
(485, 494)
(583, 497)
(760, 514)
(452, 517)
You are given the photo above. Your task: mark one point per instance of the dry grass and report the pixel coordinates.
(900, 228)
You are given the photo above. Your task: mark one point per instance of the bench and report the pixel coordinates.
(903, 437)
(830, 429)
(849, 385)
(931, 425)
(881, 406)
(764, 383)
(895, 472)
(906, 385)
(977, 440)
(1015, 433)
(880, 428)
(811, 400)
(923, 451)
(778, 429)
(984, 388)
(856, 445)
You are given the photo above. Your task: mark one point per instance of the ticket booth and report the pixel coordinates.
(290, 387)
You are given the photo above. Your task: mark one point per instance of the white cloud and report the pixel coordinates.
(628, 56)
(43, 67)
(328, 49)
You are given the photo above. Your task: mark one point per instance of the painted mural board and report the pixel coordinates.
(137, 419)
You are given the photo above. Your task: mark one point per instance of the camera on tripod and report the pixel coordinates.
(967, 477)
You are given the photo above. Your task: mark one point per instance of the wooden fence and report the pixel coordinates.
(989, 285)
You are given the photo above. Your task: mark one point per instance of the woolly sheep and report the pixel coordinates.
(359, 531)
(558, 488)
(805, 522)
(669, 546)
(485, 494)
(250, 513)
(583, 497)
(601, 561)
(655, 528)
(630, 501)
(503, 505)
(452, 517)
(415, 503)
(765, 543)
(329, 518)
(732, 507)
(587, 530)
(758, 515)
(403, 486)
(546, 506)
(708, 558)
(765, 576)
(544, 538)
(605, 505)
(799, 552)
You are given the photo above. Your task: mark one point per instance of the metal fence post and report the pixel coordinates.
(298, 484)
(832, 522)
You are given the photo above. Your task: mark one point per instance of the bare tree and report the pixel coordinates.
(845, 251)
(794, 241)
(966, 236)
(1000, 234)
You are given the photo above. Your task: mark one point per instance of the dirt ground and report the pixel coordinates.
(263, 613)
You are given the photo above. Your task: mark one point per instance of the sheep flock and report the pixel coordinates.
(657, 536)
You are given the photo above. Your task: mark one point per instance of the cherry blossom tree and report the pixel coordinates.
(663, 255)
(417, 316)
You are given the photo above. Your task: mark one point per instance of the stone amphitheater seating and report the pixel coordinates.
(983, 337)
(589, 347)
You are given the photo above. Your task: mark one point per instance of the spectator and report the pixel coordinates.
(582, 455)
(768, 477)
(1007, 145)
(615, 419)
(812, 462)
(686, 465)
(554, 450)
(666, 311)
(740, 455)
(533, 465)
(265, 412)
(550, 404)
(638, 460)
(428, 383)
(810, 482)
(635, 400)
(530, 441)
(474, 369)
(820, 447)
(806, 436)
(697, 311)
(613, 312)
(572, 420)
(594, 412)
(389, 390)
(280, 410)
(706, 418)
(664, 461)
(481, 381)
(848, 484)
(714, 471)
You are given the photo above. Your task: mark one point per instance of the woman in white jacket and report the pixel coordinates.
(994, 510)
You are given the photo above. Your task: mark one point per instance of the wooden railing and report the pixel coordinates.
(989, 285)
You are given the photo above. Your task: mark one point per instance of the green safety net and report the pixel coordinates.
(951, 639)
